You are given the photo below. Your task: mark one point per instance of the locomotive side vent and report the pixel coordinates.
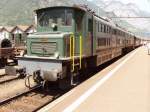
(43, 48)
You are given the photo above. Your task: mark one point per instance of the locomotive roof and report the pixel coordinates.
(85, 10)
(77, 7)
(53, 7)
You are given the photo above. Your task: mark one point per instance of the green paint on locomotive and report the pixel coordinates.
(36, 43)
(60, 23)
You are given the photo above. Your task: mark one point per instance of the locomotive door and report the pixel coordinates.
(79, 30)
(90, 34)
(89, 37)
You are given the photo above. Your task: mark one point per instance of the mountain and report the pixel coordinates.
(17, 11)
(126, 10)
(14, 12)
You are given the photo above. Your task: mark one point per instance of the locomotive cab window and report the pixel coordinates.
(58, 16)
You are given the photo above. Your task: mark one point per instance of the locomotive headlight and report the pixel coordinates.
(56, 55)
(53, 25)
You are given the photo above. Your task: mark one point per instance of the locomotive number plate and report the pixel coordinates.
(44, 39)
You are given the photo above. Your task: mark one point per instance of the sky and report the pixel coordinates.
(142, 4)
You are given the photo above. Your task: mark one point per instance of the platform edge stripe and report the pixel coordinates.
(84, 96)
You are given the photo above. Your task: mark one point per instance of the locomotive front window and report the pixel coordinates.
(60, 17)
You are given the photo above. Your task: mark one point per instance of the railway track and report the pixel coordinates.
(29, 101)
(7, 78)
(2, 75)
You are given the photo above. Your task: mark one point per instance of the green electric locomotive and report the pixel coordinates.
(70, 39)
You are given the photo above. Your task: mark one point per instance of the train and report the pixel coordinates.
(6, 51)
(70, 39)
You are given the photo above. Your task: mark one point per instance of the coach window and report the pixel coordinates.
(101, 28)
(102, 41)
(108, 29)
(98, 27)
(104, 28)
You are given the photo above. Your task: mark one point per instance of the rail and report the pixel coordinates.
(31, 96)
(9, 80)
(17, 96)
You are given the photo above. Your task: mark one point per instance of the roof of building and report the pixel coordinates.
(9, 28)
(23, 27)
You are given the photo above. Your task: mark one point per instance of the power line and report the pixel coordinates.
(131, 17)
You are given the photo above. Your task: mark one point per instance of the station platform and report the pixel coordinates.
(124, 86)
